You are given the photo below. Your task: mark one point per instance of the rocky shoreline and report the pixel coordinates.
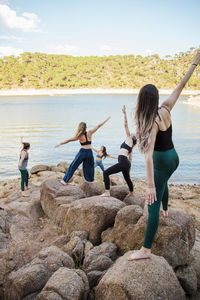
(67, 242)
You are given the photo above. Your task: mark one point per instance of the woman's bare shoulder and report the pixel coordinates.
(163, 118)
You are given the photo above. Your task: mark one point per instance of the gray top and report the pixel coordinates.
(24, 163)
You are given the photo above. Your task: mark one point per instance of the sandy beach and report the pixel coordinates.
(53, 92)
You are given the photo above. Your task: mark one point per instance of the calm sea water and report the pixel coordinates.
(45, 121)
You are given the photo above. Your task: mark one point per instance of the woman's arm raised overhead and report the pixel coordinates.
(171, 100)
(125, 121)
(98, 126)
(67, 141)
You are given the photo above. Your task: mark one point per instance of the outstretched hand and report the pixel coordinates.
(196, 60)
(124, 109)
(57, 146)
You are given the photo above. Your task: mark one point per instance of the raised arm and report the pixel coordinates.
(151, 191)
(171, 100)
(21, 139)
(125, 121)
(67, 141)
(98, 126)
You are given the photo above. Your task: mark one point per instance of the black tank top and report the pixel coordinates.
(86, 142)
(127, 147)
(164, 138)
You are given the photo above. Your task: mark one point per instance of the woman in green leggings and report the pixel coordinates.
(23, 161)
(154, 134)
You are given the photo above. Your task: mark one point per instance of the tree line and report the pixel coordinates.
(39, 70)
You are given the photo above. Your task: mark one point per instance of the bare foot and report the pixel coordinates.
(140, 254)
(63, 182)
(165, 213)
(105, 195)
(23, 194)
(130, 194)
(27, 188)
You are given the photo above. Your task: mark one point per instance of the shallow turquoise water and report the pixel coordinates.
(44, 121)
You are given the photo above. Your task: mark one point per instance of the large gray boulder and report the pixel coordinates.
(29, 207)
(174, 239)
(39, 178)
(195, 252)
(66, 284)
(39, 168)
(63, 164)
(188, 279)
(4, 246)
(4, 232)
(93, 214)
(125, 222)
(91, 188)
(107, 235)
(145, 280)
(119, 191)
(79, 180)
(57, 169)
(56, 198)
(117, 180)
(91, 261)
(32, 277)
(98, 260)
(75, 248)
(135, 199)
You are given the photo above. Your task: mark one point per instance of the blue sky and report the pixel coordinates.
(103, 27)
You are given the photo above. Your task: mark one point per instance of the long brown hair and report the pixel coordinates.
(105, 154)
(81, 129)
(26, 146)
(146, 110)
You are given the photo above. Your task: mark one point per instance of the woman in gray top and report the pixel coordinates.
(23, 161)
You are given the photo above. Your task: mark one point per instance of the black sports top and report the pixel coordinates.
(127, 147)
(86, 142)
(164, 138)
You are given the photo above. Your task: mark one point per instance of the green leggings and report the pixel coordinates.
(165, 163)
(24, 178)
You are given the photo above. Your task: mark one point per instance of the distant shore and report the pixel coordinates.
(54, 92)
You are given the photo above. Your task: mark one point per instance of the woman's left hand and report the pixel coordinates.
(151, 195)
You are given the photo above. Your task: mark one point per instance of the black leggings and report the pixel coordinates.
(24, 178)
(122, 166)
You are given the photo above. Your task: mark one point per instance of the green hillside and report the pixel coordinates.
(38, 70)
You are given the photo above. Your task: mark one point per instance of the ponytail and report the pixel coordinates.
(105, 154)
(25, 146)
